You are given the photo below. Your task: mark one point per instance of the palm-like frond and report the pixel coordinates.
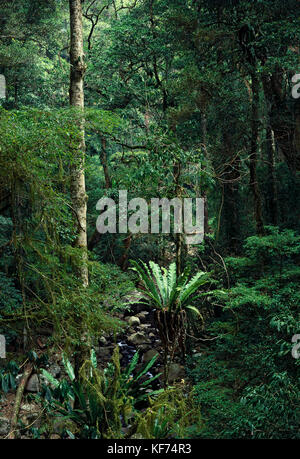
(168, 291)
(172, 280)
(177, 289)
(191, 287)
(158, 276)
(146, 278)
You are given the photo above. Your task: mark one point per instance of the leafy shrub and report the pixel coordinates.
(246, 380)
(101, 403)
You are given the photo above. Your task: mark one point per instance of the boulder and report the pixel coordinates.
(33, 384)
(149, 355)
(143, 315)
(138, 338)
(176, 372)
(133, 321)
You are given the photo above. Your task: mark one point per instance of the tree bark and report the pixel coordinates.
(229, 220)
(78, 193)
(272, 185)
(18, 400)
(253, 155)
(284, 118)
(103, 160)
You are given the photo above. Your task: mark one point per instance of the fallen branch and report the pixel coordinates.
(19, 396)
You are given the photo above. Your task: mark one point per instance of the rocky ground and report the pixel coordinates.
(139, 335)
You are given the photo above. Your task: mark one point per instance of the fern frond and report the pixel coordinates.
(146, 278)
(157, 273)
(191, 287)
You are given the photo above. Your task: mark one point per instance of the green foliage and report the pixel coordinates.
(247, 381)
(173, 414)
(8, 376)
(169, 86)
(167, 291)
(104, 399)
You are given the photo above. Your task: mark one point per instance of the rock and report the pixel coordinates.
(144, 326)
(144, 347)
(28, 407)
(176, 371)
(103, 341)
(4, 426)
(138, 338)
(133, 321)
(149, 355)
(33, 384)
(142, 315)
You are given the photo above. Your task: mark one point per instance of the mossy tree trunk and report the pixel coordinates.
(78, 192)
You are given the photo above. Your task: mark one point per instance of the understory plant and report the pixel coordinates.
(171, 296)
(172, 414)
(105, 400)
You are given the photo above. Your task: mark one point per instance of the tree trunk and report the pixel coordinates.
(284, 118)
(78, 194)
(253, 155)
(272, 185)
(207, 229)
(103, 160)
(180, 252)
(96, 236)
(229, 219)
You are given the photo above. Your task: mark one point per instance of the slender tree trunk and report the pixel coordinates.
(229, 218)
(103, 160)
(207, 229)
(96, 236)
(123, 262)
(272, 192)
(253, 155)
(78, 194)
(19, 395)
(284, 118)
(180, 254)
